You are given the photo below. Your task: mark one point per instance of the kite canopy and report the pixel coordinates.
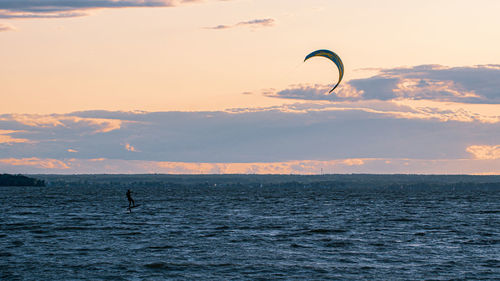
(331, 56)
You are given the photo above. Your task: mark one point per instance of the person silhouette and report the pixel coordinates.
(130, 200)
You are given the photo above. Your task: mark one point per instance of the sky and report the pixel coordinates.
(220, 86)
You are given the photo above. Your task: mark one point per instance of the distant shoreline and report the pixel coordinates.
(255, 181)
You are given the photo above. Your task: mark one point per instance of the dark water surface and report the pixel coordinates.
(238, 233)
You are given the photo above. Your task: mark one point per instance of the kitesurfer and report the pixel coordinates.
(130, 200)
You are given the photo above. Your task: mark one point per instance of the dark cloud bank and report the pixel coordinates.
(479, 84)
(73, 8)
(255, 136)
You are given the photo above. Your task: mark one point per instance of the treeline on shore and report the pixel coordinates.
(19, 180)
(358, 181)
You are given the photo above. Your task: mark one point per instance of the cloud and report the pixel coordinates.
(289, 167)
(354, 162)
(406, 109)
(36, 162)
(5, 137)
(293, 132)
(317, 92)
(338, 166)
(130, 148)
(252, 23)
(475, 85)
(484, 152)
(348, 137)
(6, 27)
(93, 125)
(74, 8)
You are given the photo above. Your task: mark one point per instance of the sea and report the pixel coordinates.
(239, 232)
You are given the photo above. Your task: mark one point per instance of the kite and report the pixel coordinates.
(333, 57)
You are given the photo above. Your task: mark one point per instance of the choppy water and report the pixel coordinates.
(241, 233)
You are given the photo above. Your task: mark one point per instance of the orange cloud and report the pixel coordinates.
(485, 152)
(306, 167)
(347, 91)
(46, 121)
(130, 148)
(419, 88)
(289, 167)
(354, 162)
(6, 27)
(97, 160)
(452, 111)
(5, 138)
(36, 162)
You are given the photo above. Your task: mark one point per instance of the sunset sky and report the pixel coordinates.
(165, 86)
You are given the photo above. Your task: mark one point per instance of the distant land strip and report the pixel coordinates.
(19, 180)
(364, 181)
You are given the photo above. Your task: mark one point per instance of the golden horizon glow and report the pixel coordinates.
(304, 167)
